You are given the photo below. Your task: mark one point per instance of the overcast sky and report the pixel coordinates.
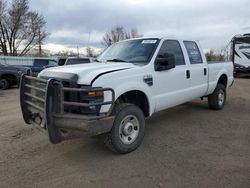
(84, 22)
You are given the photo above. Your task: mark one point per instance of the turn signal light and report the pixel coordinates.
(95, 93)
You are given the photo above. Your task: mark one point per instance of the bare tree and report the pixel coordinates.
(3, 40)
(66, 53)
(119, 33)
(90, 52)
(213, 56)
(20, 29)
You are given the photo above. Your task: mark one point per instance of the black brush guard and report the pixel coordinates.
(43, 105)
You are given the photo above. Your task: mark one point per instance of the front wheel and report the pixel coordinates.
(128, 128)
(217, 99)
(4, 84)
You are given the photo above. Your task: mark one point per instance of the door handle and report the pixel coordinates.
(188, 74)
(205, 71)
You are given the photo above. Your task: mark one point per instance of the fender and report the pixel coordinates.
(212, 85)
(138, 87)
(122, 86)
(223, 71)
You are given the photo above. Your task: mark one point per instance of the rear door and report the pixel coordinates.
(171, 86)
(198, 71)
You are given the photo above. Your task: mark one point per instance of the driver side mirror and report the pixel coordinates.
(164, 62)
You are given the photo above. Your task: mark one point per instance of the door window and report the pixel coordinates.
(173, 47)
(193, 52)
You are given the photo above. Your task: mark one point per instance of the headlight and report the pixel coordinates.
(91, 97)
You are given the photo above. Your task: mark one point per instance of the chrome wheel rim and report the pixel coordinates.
(221, 97)
(129, 129)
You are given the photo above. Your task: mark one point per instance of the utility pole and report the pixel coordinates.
(39, 43)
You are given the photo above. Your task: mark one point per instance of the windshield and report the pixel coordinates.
(135, 51)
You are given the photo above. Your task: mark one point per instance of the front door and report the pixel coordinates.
(171, 86)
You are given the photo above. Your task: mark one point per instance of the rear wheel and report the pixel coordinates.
(4, 84)
(128, 128)
(217, 99)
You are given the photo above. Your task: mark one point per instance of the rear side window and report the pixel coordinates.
(52, 63)
(173, 47)
(193, 52)
(40, 62)
(77, 61)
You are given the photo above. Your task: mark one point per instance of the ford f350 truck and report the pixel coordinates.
(130, 81)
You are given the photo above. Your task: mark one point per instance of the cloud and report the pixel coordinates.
(71, 38)
(55, 48)
(212, 22)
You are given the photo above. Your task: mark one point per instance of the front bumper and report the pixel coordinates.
(43, 105)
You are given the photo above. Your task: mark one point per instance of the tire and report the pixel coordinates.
(128, 129)
(217, 99)
(4, 84)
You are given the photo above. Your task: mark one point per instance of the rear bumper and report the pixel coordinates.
(43, 105)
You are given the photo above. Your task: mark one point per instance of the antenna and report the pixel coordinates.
(77, 51)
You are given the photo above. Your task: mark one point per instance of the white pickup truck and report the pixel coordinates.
(130, 81)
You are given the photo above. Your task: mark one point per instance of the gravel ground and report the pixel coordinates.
(185, 146)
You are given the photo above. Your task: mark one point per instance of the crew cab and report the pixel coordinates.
(130, 81)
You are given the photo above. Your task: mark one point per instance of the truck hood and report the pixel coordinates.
(86, 73)
(15, 68)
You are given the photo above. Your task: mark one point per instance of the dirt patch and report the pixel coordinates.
(185, 146)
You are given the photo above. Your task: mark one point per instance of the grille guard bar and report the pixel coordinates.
(43, 104)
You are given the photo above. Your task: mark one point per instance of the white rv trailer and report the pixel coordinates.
(239, 53)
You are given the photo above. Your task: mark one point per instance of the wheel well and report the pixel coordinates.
(10, 78)
(223, 80)
(137, 98)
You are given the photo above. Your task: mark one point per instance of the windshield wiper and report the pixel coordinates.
(116, 60)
